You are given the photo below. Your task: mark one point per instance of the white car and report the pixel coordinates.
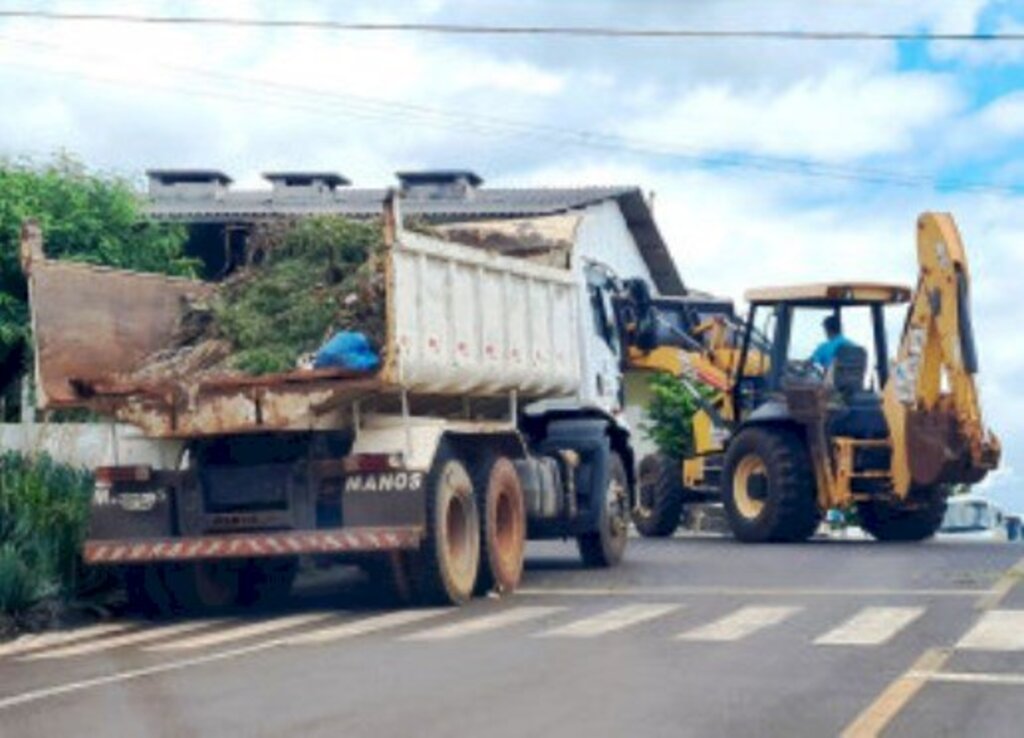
(973, 519)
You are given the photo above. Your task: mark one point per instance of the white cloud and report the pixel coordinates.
(841, 115)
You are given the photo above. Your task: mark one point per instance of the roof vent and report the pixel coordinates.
(187, 184)
(304, 184)
(439, 184)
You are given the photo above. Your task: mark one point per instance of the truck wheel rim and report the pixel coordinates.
(748, 468)
(618, 507)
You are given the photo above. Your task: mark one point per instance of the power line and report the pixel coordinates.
(231, 87)
(607, 32)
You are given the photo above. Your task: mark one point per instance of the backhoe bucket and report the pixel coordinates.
(940, 453)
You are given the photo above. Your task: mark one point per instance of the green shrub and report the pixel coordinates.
(44, 509)
(85, 216)
(21, 585)
(670, 416)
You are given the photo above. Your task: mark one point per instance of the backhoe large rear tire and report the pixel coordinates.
(768, 488)
(659, 496)
(915, 521)
(448, 561)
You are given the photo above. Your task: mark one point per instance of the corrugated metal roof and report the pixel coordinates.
(479, 203)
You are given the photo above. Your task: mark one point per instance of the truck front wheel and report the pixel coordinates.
(606, 546)
(503, 529)
(768, 487)
(449, 557)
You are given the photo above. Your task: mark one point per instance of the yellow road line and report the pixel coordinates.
(873, 720)
(991, 599)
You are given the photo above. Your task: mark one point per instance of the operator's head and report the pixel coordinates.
(831, 326)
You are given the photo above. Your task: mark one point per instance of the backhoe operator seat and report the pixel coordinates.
(848, 370)
(861, 415)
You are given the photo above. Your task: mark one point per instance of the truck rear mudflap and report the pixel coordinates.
(253, 545)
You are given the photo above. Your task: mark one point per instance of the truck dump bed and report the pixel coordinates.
(462, 322)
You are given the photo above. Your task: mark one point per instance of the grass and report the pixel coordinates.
(44, 510)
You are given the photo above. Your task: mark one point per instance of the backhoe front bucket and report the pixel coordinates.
(940, 453)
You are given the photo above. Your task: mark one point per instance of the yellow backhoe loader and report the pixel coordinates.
(782, 440)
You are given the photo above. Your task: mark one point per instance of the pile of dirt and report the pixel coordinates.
(303, 280)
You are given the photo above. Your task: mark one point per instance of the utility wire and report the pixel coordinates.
(607, 32)
(232, 87)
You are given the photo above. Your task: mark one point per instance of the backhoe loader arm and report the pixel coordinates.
(930, 401)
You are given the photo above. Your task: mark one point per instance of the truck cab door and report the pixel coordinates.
(603, 377)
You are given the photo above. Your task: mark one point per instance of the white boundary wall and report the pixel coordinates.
(90, 444)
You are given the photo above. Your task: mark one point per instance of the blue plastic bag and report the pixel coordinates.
(347, 350)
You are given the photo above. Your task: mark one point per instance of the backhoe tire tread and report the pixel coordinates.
(894, 523)
(790, 511)
(661, 489)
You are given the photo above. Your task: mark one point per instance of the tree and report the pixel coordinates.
(85, 216)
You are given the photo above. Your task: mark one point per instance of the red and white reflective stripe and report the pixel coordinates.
(233, 546)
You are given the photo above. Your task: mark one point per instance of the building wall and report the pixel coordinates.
(90, 444)
(603, 236)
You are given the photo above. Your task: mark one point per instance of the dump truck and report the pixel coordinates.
(431, 472)
(780, 439)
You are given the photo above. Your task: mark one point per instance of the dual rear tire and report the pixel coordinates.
(476, 531)
(179, 588)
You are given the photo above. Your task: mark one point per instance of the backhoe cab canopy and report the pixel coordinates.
(840, 294)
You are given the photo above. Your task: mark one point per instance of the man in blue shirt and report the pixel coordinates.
(825, 354)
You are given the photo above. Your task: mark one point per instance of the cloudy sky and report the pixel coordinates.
(771, 162)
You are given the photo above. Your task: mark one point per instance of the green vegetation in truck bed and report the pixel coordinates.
(304, 280)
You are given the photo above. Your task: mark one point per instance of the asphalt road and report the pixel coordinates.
(689, 637)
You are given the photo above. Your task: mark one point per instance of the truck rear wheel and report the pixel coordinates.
(388, 577)
(503, 526)
(449, 559)
(915, 521)
(768, 488)
(606, 546)
(659, 496)
(267, 581)
(204, 585)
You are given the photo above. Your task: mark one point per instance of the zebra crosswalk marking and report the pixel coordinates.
(364, 626)
(29, 643)
(240, 632)
(131, 638)
(871, 626)
(472, 626)
(739, 624)
(611, 620)
(996, 630)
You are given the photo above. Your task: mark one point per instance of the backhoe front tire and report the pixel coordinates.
(916, 521)
(659, 496)
(768, 488)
